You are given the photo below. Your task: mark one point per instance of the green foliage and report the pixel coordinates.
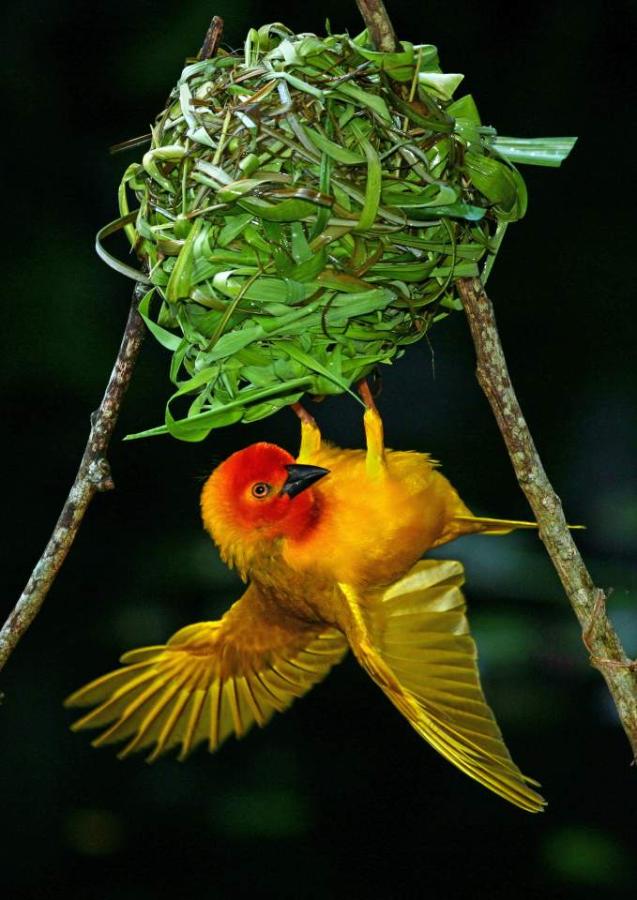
(304, 208)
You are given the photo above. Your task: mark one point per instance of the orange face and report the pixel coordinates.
(259, 492)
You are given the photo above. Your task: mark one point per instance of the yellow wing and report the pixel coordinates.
(210, 680)
(414, 641)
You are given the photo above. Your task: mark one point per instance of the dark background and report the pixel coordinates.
(338, 798)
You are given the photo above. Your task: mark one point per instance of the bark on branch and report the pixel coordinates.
(378, 24)
(94, 472)
(92, 476)
(588, 601)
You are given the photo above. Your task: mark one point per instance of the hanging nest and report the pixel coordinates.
(303, 211)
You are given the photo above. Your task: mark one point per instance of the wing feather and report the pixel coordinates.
(251, 699)
(210, 680)
(215, 694)
(414, 640)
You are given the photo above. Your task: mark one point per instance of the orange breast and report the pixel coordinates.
(372, 530)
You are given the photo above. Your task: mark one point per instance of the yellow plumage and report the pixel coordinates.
(330, 565)
(383, 509)
(210, 680)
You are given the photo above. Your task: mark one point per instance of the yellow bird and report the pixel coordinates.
(330, 544)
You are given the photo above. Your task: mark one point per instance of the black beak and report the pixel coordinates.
(301, 477)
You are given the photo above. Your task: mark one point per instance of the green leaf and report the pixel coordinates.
(335, 151)
(534, 151)
(283, 211)
(166, 338)
(233, 227)
(499, 182)
(465, 108)
(437, 194)
(399, 66)
(439, 121)
(197, 427)
(371, 101)
(300, 248)
(299, 84)
(309, 269)
(442, 85)
(265, 288)
(235, 190)
(167, 153)
(349, 306)
(456, 210)
(372, 187)
(108, 258)
(180, 281)
(311, 363)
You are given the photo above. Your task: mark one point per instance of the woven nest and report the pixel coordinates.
(303, 211)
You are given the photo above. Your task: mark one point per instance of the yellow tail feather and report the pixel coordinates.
(487, 525)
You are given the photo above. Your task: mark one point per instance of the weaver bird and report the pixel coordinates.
(330, 545)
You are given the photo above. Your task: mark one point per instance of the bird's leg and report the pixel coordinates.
(373, 432)
(310, 434)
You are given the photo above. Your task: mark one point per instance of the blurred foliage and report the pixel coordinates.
(337, 798)
(588, 857)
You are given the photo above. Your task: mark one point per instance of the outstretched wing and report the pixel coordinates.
(413, 639)
(210, 680)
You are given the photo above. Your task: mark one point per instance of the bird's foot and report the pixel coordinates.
(373, 432)
(310, 433)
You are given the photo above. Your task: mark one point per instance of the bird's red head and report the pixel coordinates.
(257, 495)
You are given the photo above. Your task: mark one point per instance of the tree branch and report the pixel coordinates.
(94, 473)
(378, 24)
(212, 38)
(588, 601)
(92, 476)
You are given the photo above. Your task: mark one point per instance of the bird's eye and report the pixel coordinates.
(261, 489)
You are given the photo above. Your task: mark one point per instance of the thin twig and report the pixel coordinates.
(588, 601)
(92, 476)
(94, 473)
(212, 38)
